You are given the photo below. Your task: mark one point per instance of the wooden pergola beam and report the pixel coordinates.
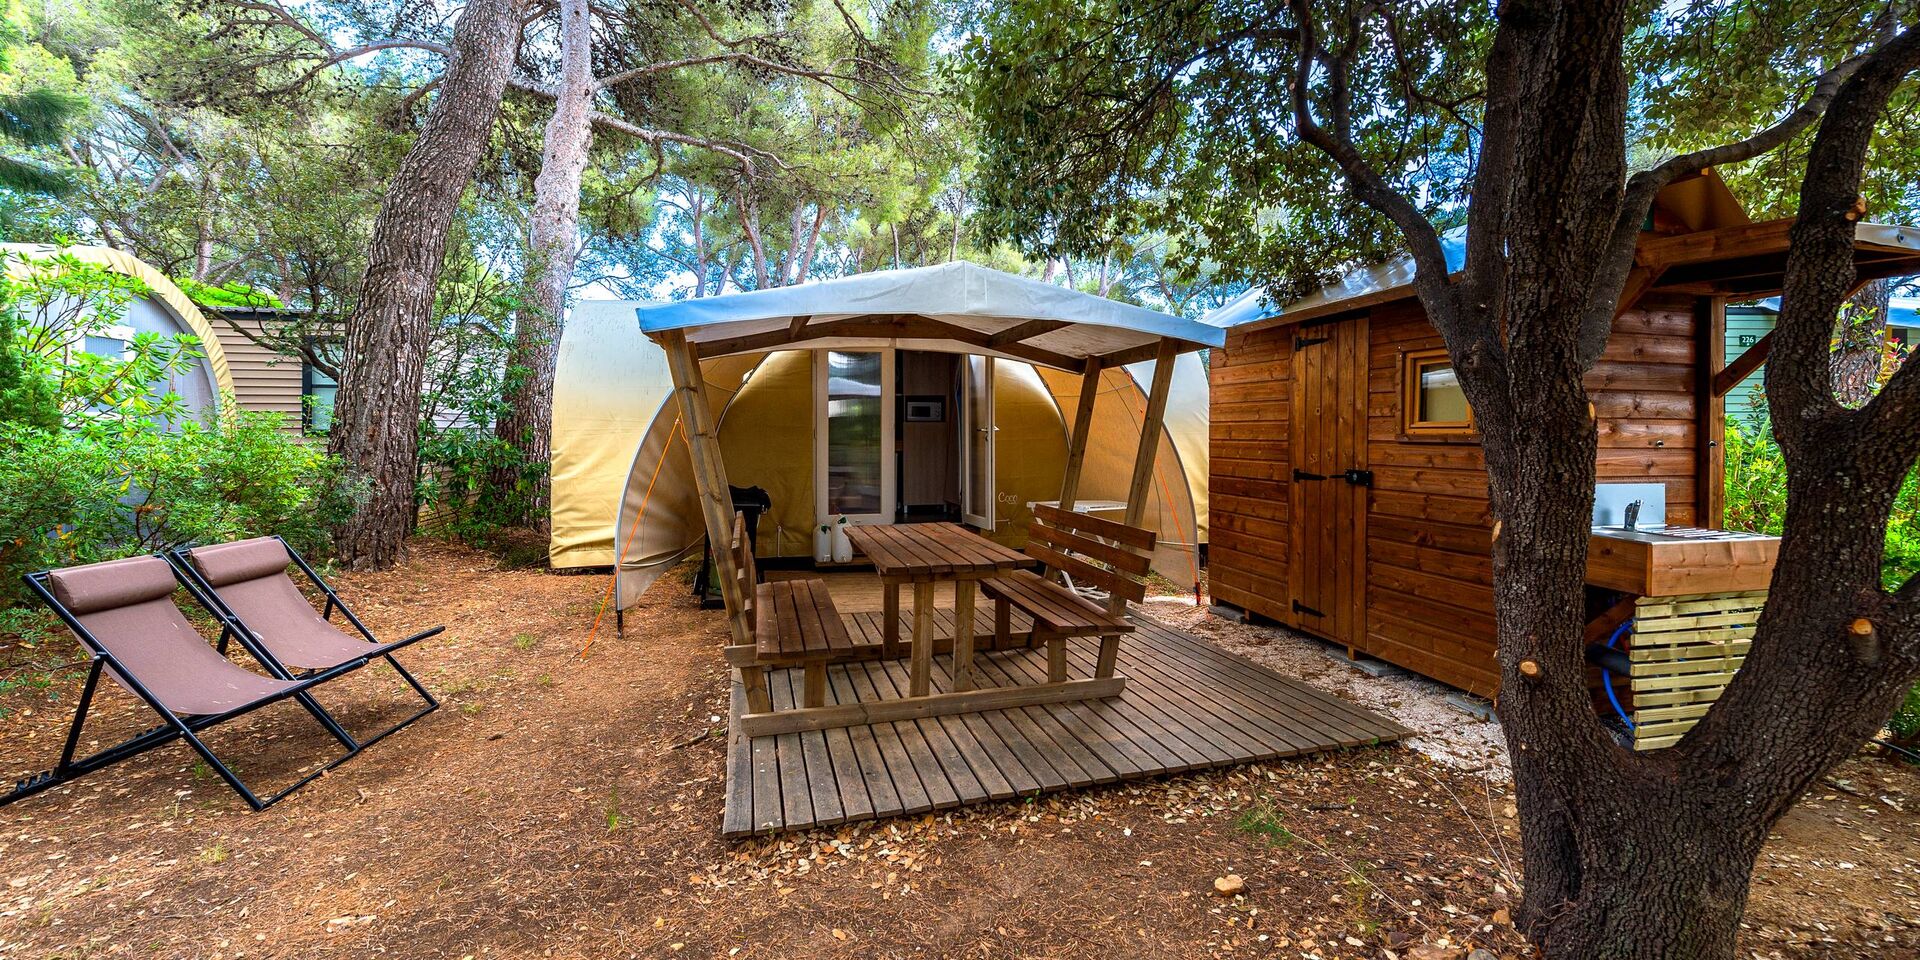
(887, 327)
(1639, 280)
(709, 473)
(1025, 331)
(1749, 239)
(1077, 440)
(1145, 351)
(1152, 425)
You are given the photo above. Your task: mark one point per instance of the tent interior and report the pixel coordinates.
(940, 393)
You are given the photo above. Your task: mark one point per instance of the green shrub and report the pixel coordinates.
(81, 496)
(1756, 484)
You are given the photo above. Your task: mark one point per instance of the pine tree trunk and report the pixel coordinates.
(520, 489)
(376, 424)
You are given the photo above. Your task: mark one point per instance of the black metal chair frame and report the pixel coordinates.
(175, 726)
(209, 597)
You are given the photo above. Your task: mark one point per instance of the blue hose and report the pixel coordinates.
(1606, 678)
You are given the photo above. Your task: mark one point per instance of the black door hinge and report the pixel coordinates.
(1299, 474)
(1299, 607)
(1359, 478)
(1300, 343)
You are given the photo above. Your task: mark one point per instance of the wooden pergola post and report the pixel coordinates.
(709, 474)
(1152, 425)
(1077, 441)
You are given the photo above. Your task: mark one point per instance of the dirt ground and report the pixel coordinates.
(567, 807)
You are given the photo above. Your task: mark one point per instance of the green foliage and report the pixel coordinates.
(1100, 117)
(1756, 485)
(1756, 478)
(31, 115)
(1732, 68)
(230, 294)
(80, 496)
(59, 301)
(1905, 725)
(27, 396)
(1263, 820)
(468, 378)
(1108, 118)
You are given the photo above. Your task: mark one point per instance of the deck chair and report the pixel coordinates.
(122, 612)
(246, 583)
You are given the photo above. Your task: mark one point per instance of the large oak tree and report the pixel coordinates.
(1302, 136)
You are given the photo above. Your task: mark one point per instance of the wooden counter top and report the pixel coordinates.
(1676, 561)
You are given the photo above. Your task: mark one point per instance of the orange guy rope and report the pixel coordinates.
(621, 554)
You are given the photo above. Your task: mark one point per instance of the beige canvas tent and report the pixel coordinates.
(972, 430)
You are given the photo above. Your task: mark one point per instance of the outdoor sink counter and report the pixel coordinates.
(1687, 603)
(1662, 562)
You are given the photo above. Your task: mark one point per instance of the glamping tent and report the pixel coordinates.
(1349, 494)
(942, 392)
(165, 310)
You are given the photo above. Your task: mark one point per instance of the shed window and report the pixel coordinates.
(1434, 402)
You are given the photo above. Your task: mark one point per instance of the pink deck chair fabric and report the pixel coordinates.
(250, 577)
(127, 605)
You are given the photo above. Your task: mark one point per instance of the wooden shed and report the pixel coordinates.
(1349, 497)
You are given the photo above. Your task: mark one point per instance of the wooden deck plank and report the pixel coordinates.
(914, 797)
(954, 743)
(1187, 705)
(796, 792)
(1066, 729)
(890, 682)
(738, 819)
(1363, 725)
(1266, 720)
(823, 782)
(866, 788)
(997, 770)
(1116, 750)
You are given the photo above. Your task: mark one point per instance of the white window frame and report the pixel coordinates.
(967, 427)
(888, 460)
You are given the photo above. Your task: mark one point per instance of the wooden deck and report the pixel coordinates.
(1188, 706)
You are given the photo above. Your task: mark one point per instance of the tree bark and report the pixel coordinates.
(1647, 856)
(519, 488)
(812, 244)
(1860, 343)
(376, 423)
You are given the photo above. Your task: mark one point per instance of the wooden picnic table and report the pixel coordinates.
(923, 554)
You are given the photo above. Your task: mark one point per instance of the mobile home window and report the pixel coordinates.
(1434, 402)
(317, 390)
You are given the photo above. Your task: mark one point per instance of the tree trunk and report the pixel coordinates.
(813, 244)
(1860, 343)
(376, 424)
(519, 489)
(697, 212)
(749, 213)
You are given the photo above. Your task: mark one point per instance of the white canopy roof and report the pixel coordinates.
(977, 309)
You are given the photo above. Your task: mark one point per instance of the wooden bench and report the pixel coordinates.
(1103, 554)
(794, 625)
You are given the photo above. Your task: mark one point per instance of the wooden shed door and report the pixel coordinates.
(1330, 479)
